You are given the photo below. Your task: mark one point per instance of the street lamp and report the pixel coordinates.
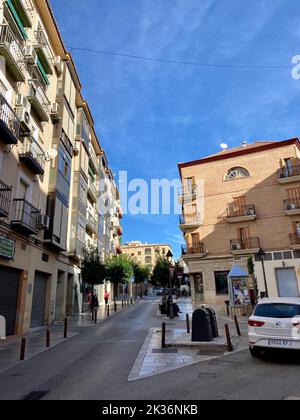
(169, 257)
(261, 255)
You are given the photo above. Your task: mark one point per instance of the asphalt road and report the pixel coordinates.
(96, 364)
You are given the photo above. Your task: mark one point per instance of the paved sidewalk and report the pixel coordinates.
(36, 341)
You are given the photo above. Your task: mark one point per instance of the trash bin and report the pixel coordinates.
(214, 322)
(202, 330)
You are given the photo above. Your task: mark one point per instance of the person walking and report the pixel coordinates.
(106, 297)
(93, 304)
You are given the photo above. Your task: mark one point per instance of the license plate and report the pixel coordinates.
(281, 343)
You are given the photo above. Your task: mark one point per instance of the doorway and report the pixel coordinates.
(287, 282)
(199, 288)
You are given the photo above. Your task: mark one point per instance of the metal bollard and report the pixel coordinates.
(48, 339)
(188, 328)
(131, 301)
(227, 303)
(23, 349)
(66, 328)
(107, 311)
(116, 307)
(238, 330)
(163, 336)
(123, 304)
(96, 315)
(229, 342)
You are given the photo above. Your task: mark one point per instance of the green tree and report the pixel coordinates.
(161, 273)
(119, 270)
(93, 269)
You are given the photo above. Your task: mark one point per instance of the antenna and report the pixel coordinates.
(224, 146)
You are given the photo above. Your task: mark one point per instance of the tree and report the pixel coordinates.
(119, 270)
(161, 273)
(93, 269)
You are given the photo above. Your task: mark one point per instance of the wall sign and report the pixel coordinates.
(7, 248)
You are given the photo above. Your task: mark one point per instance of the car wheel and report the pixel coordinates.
(255, 352)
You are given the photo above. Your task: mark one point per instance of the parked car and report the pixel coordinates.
(275, 324)
(159, 292)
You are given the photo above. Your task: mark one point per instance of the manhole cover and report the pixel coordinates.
(161, 351)
(35, 395)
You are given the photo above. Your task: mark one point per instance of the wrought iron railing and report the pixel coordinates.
(244, 244)
(10, 41)
(36, 91)
(190, 218)
(187, 190)
(25, 214)
(31, 148)
(9, 118)
(292, 204)
(5, 199)
(240, 211)
(193, 249)
(295, 238)
(288, 171)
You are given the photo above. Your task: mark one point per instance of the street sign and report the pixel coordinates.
(7, 248)
(132, 279)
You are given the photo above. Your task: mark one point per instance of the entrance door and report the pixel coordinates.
(287, 282)
(9, 292)
(199, 287)
(39, 300)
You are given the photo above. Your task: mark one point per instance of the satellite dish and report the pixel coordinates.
(224, 146)
(51, 154)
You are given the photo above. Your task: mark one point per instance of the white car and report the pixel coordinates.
(275, 324)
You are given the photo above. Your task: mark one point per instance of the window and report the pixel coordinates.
(221, 279)
(148, 251)
(236, 173)
(148, 260)
(139, 253)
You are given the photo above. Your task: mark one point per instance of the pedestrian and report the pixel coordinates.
(93, 304)
(106, 297)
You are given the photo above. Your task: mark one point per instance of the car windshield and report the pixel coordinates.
(277, 310)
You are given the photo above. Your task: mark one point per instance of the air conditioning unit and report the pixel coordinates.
(289, 207)
(23, 108)
(236, 247)
(58, 64)
(250, 212)
(30, 54)
(43, 222)
(55, 112)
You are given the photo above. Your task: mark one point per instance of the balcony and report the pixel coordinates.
(5, 198)
(295, 241)
(197, 249)
(9, 123)
(33, 156)
(288, 175)
(94, 161)
(241, 214)
(119, 231)
(92, 223)
(245, 246)
(10, 49)
(187, 194)
(39, 101)
(292, 207)
(25, 217)
(190, 221)
(119, 250)
(92, 191)
(41, 45)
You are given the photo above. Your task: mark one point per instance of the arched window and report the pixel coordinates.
(236, 173)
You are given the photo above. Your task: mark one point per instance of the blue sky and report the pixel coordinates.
(150, 116)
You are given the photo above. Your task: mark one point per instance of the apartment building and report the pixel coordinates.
(50, 163)
(146, 254)
(251, 201)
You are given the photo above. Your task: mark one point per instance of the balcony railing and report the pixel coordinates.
(190, 219)
(92, 222)
(38, 99)
(33, 156)
(25, 216)
(244, 244)
(5, 198)
(242, 211)
(288, 172)
(9, 123)
(292, 204)
(42, 46)
(94, 161)
(193, 249)
(295, 238)
(187, 191)
(11, 50)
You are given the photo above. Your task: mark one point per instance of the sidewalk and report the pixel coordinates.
(36, 341)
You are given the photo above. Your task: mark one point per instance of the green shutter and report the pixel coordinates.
(17, 19)
(42, 70)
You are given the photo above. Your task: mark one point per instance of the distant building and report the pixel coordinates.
(146, 254)
(251, 201)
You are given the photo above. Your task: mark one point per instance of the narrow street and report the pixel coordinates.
(96, 363)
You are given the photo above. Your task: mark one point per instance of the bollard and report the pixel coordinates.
(238, 330)
(66, 328)
(48, 340)
(229, 342)
(131, 301)
(23, 349)
(188, 328)
(227, 302)
(116, 307)
(107, 311)
(123, 304)
(163, 336)
(96, 315)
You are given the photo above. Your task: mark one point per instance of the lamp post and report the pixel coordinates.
(261, 257)
(169, 257)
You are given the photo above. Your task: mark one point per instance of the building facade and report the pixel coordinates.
(146, 254)
(250, 199)
(50, 168)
